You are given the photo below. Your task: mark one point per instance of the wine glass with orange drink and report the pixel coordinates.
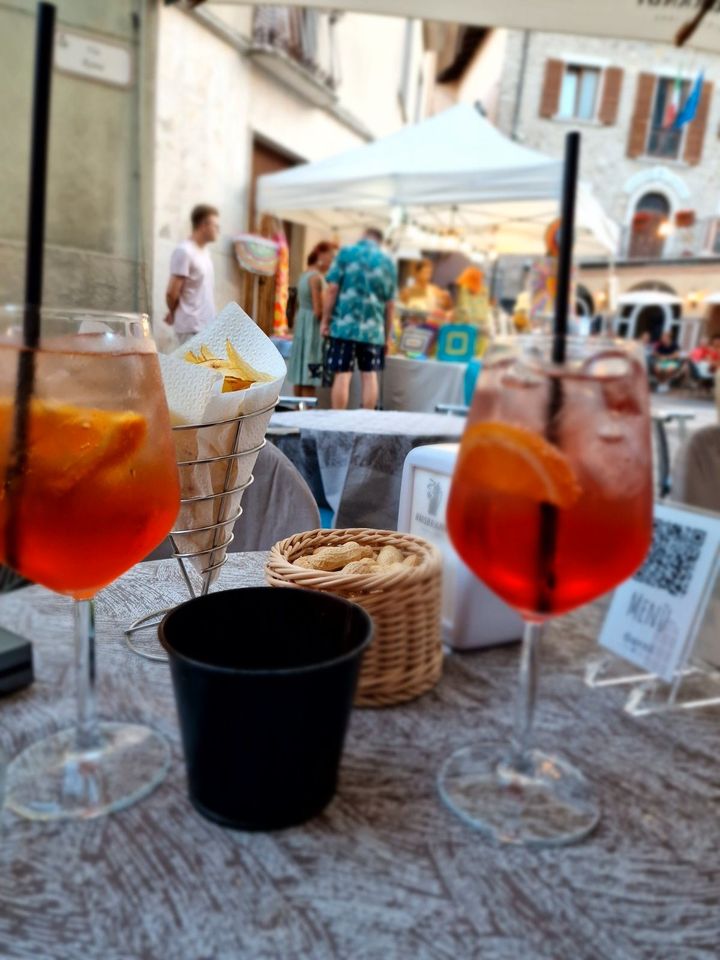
(551, 506)
(90, 491)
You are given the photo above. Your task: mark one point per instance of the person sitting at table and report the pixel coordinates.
(648, 349)
(306, 351)
(667, 364)
(473, 305)
(521, 313)
(422, 294)
(706, 356)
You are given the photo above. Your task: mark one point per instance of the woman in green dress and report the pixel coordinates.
(307, 343)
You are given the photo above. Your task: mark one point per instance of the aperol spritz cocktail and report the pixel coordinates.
(100, 488)
(90, 491)
(551, 506)
(589, 472)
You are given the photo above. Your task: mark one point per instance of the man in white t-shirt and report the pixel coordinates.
(189, 296)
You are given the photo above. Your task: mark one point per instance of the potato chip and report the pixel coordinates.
(237, 373)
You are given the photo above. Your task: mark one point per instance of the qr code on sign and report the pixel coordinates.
(672, 559)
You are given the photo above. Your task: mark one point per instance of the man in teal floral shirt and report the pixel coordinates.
(357, 315)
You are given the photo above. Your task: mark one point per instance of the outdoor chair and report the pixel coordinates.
(452, 409)
(276, 505)
(698, 382)
(696, 470)
(9, 580)
(295, 403)
(661, 457)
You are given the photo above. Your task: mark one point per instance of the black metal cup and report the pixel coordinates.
(264, 680)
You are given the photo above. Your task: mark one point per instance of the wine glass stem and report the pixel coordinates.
(527, 695)
(88, 737)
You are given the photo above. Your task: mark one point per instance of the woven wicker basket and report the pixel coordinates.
(405, 656)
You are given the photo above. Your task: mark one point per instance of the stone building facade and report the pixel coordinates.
(661, 187)
(624, 156)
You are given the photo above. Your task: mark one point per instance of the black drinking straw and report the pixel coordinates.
(567, 236)
(44, 38)
(548, 512)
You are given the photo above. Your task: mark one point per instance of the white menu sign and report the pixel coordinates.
(654, 617)
(89, 57)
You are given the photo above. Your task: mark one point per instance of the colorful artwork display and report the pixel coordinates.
(256, 254)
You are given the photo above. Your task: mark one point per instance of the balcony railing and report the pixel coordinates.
(662, 240)
(303, 37)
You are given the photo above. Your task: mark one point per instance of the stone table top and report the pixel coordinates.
(386, 872)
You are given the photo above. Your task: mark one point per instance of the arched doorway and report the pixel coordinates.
(652, 307)
(647, 240)
(651, 320)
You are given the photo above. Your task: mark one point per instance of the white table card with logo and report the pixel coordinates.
(662, 620)
(472, 615)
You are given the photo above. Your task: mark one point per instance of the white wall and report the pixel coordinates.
(291, 123)
(482, 80)
(212, 100)
(201, 148)
(370, 51)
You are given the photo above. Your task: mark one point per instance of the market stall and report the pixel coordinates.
(454, 174)
(451, 182)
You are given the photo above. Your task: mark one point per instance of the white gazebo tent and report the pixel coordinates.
(454, 174)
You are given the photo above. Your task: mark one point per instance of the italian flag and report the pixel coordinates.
(672, 105)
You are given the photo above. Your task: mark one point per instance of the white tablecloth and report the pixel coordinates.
(353, 459)
(408, 385)
(421, 384)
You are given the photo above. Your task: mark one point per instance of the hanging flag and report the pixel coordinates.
(690, 107)
(672, 104)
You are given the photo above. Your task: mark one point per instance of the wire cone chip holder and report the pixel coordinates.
(213, 557)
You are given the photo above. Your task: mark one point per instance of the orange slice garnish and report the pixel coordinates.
(67, 444)
(512, 460)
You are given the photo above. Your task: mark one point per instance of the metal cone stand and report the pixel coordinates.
(222, 529)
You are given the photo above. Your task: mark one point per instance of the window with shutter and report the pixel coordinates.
(550, 97)
(610, 102)
(578, 92)
(696, 128)
(664, 140)
(641, 115)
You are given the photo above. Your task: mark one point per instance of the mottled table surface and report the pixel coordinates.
(386, 872)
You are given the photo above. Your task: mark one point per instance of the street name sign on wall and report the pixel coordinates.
(86, 56)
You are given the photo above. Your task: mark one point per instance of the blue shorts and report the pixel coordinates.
(341, 356)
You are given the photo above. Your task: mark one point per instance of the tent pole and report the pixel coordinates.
(520, 85)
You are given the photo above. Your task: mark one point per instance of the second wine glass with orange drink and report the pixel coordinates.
(551, 506)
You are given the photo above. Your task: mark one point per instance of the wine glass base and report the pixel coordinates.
(549, 803)
(53, 780)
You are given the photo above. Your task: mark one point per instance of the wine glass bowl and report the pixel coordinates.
(100, 486)
(589, 463)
